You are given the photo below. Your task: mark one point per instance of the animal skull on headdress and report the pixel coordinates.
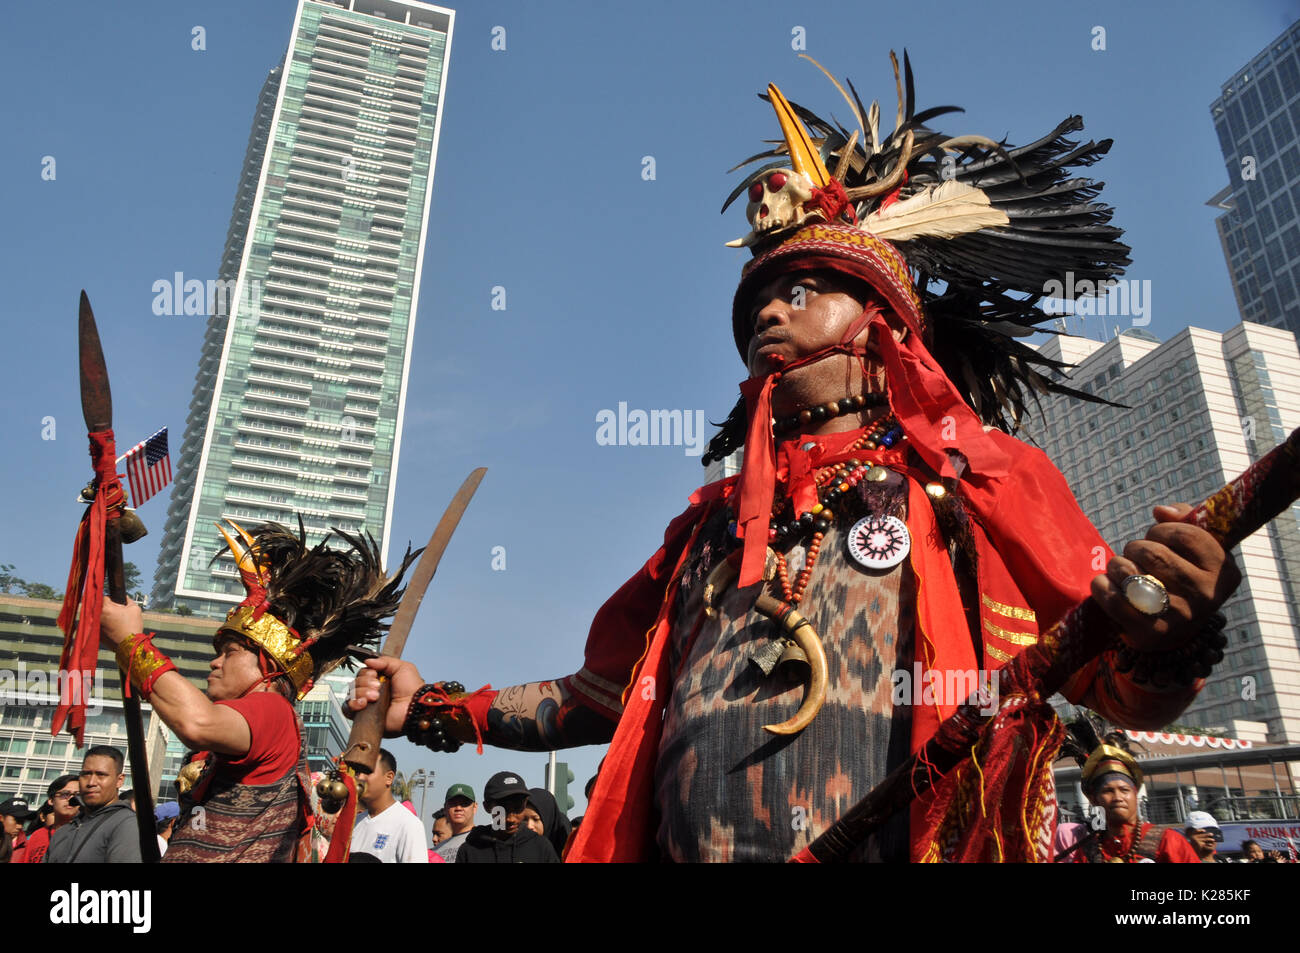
(776, 202)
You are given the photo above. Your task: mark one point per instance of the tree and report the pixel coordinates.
(8, 581)
(39, 590)
(184, 610)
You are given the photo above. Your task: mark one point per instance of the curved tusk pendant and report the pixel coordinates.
(796, 627)
(805, 636)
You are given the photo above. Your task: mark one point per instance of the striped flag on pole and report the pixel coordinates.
(148, 467)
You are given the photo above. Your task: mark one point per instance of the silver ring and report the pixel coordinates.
(1146, 594)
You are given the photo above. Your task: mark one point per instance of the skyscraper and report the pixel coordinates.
(1203, 406)
(299, 396)
(1257, 119)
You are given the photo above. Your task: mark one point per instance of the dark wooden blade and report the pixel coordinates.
(428, 564)
(96, 396)
(368, 726)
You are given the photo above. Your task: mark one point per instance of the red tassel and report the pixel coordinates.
(83, 599)
(341, 840)
(757, 478)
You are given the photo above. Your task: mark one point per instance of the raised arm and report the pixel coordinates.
(199, 723)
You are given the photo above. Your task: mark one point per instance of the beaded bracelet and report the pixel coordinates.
(143, 663)
(432, 714)
(1195, 659)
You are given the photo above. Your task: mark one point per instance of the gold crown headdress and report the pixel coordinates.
(311, 609)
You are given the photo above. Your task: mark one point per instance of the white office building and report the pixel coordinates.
(1202, 407)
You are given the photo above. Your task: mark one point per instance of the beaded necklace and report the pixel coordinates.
(833, 484)
(1127, 856)
(826, 411)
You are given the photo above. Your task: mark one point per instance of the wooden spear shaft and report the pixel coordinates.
(97, 407)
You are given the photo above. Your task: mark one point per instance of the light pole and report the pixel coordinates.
(424, 779)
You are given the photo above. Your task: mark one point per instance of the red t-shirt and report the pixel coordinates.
(274, 746)
(37, 845)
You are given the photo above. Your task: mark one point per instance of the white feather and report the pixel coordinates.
(946, 211)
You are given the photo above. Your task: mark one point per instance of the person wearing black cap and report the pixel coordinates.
(13, 813)
(505, 840)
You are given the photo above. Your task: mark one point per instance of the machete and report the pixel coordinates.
(368, 725)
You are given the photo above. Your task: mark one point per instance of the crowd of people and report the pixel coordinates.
(86, 818)
(525, 825)
(89, 818)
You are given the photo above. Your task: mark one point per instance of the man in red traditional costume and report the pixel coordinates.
(245, 792)
(1111, 779)
(883, 525)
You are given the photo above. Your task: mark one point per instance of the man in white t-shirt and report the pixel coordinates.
(388, 831)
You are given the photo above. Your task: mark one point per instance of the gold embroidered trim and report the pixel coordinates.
(1015, 638)
(1013, 612)
(997, 653)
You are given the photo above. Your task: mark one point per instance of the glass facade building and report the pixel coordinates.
(1200, 408)
(298, 401)
(1257, 119)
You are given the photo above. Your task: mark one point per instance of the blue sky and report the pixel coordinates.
(618, 287)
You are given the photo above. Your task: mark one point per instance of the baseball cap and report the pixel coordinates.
(459, 790)
(16, 807)
(502, 785)
(164, 811)
(1202, 821)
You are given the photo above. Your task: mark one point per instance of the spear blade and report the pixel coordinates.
(96, 395)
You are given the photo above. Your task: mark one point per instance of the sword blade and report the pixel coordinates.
(428, 564)
(368, 726)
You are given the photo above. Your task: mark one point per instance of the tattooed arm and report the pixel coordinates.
(538, 716)
(541, 716)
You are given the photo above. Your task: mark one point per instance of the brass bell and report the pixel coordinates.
(330, 805)
(188, 777)
(130, 526)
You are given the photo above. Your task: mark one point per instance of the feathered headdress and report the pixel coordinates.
(961, 234)
(311, 609)
(1098, 753)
